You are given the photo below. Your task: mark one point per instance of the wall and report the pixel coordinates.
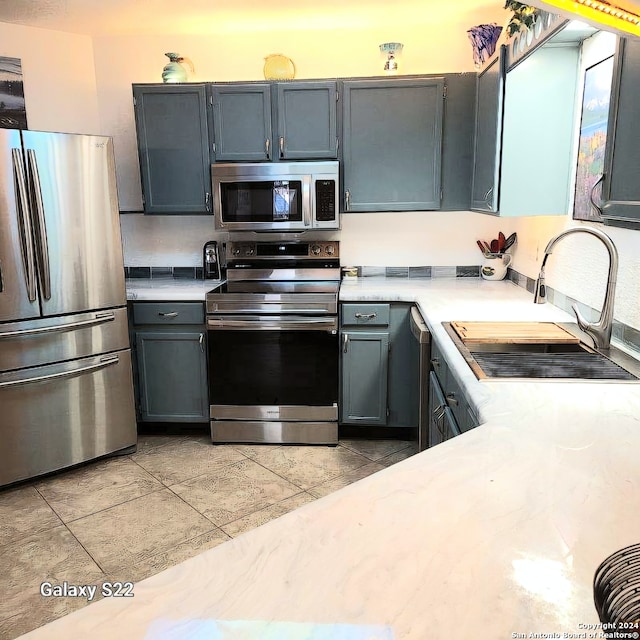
(59, 78)
(73, 98)
(579, 264)
(319, 49)
(227, 54)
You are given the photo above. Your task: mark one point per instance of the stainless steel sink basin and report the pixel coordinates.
(541, 360)
(583, 365)
(537, 347)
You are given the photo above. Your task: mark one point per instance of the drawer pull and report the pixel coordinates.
(170, 314)
(452, 401)
(366, 316)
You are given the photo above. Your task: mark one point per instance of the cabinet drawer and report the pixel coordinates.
(455, 399)
(370, 315)
(168, 313)
(438, 364)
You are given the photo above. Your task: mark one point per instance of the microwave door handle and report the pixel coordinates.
(307, 204)
(24, 223)
(41, 229)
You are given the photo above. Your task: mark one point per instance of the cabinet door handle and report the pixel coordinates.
(451, 399)
(281, 142)
(347, 200)
(201, 342)
(438, 419)
(171, 314)
(594, 204)
(345, 342)
(207, 200)
(366, 316)
(267, 148)
(435, 362)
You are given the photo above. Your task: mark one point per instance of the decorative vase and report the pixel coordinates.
(495, 266)
(391, 51)
(278, 67)
(483, 39)
(174, 70)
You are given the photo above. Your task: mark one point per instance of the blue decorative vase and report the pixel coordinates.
(174, 71)
(483, 38)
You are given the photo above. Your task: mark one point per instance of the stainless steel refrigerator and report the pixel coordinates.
(66, 390)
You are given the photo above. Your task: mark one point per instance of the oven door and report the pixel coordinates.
(273, 378)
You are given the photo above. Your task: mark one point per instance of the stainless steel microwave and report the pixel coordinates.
(275, 196)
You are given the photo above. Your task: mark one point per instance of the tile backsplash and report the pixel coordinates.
(623, 333)
(185, 273)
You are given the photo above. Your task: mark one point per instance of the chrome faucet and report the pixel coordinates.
(600, 331)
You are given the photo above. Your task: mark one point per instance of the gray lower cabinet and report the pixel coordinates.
(450, 412)
(379, 366)
(621, 187)
(364, 377)
(257, 122)
(442, 423)
(169, 342)
(173, 147)
(392, 144)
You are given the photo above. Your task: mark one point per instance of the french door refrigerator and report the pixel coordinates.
(66, 390)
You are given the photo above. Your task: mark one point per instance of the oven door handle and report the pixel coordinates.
(275, 324)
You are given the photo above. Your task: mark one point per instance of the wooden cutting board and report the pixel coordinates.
(512, 332)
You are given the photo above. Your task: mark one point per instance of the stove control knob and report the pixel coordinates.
(316, 249)
(236, 251)
(249, 251)
(330, 249)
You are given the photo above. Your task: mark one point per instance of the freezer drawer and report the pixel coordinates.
(62, 414)
(31, 343)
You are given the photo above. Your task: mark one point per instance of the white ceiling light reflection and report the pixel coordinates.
(544, 578)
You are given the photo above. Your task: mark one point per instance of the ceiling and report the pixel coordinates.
(156, 17)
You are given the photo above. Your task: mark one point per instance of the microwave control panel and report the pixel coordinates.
(325, 200)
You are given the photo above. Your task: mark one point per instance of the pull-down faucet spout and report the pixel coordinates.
(599, 331)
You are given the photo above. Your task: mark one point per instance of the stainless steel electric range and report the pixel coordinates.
(273, 344)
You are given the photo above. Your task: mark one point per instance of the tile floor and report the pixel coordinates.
(127, 518)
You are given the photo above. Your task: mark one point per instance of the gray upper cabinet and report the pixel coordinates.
(254, 122)
(392, 144)
(242, 122)
(306, 120)
(173, 148)
(488, 133)
(621, 187)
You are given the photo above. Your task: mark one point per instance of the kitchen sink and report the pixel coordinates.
(534, 347)
(536, 359)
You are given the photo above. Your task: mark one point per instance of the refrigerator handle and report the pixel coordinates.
(105, 361)
(42, 245)
(24, 224)
(100, 318)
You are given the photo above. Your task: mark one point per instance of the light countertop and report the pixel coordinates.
(169, 289)
(495, 533)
